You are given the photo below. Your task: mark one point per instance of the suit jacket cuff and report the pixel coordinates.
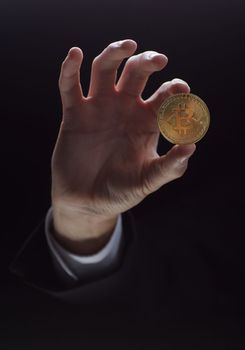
(34, 265)
(79, 267)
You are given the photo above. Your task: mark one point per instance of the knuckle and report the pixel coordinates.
(165, 90)
(96, 60)
(113, 46)
(142, 62)
(109, 50)
(180, 170)
(149, 54)
(132, 61)
(135, 65)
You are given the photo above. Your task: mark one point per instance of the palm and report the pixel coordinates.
(106, 145)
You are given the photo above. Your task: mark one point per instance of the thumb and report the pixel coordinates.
(166, 168)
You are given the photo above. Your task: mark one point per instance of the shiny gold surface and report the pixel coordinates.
(183, 118)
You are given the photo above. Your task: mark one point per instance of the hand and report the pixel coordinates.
(105, 159)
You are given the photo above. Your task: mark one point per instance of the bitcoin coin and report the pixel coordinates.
(183, 118)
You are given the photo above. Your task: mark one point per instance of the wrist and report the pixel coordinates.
(81, 234)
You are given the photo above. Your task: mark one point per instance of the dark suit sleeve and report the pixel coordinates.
(35, 266)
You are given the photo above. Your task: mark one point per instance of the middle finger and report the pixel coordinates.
(137, 70)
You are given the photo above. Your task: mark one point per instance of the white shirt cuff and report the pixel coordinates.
(78, 266)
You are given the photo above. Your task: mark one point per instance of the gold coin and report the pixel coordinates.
(183, 118)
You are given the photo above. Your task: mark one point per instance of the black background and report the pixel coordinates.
(204, 41)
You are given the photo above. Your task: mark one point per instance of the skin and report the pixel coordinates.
(105, 160)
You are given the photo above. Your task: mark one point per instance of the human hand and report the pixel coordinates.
(105, 159)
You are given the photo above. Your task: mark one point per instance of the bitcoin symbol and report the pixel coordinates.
(183, 118)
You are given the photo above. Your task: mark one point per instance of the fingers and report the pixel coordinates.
(69, 80)
(137, 71)
(167, 89)
(104, 67)
(167, 168)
